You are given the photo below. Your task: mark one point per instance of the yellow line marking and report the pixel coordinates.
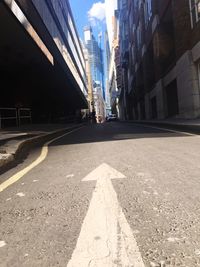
(16, 177)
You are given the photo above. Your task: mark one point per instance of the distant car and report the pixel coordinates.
(112, 117)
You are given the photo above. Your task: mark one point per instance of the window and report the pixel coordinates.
(147, 11)
(136, 4)
(194, 11)
(133, 54)
(198, 70)
(139, 35)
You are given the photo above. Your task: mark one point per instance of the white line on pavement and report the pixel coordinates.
(166, 129)
(106, 239)
(16, 177)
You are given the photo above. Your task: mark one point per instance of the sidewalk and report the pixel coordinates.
(187, 125)
(13, 141)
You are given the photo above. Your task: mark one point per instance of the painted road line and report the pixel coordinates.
(106, 239)
(166, 129)
(44, 152)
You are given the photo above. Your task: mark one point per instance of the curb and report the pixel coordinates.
(10, 160)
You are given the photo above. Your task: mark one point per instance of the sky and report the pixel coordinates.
(93, 13)
(88, 12)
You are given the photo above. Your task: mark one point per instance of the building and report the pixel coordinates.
(95, 57)
(110, 7)
(99, 103)
(160, 59)
(114, 91)
(42, 66)
(90, 94)
(95, 60)
(112, 55)
(107, 54)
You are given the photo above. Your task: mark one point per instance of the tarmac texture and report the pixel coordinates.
(154, 203)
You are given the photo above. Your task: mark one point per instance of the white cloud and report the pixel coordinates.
(97, 12)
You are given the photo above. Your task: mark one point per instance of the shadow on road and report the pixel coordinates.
(114, 131)
(106, 132)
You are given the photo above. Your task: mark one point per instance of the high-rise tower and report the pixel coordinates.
(95, 55)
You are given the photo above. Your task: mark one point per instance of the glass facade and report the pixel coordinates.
(95, 59)
(60, 25)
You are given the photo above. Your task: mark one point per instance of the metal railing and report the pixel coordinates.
(15, 114)
(4, 115)
(24, 113)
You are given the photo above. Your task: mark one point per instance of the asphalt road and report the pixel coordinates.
(42, 214)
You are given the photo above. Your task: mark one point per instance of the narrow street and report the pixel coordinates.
(115, 194)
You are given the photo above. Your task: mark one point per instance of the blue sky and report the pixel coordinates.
(80, 10)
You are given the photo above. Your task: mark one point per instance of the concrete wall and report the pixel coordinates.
(159, 94)
(188, 91)
(186, 75)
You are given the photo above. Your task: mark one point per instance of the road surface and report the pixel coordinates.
(114, 194)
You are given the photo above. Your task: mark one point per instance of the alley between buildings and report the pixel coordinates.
(114, 194)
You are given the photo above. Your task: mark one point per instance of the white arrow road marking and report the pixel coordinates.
(2, 243)
(106, 239)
